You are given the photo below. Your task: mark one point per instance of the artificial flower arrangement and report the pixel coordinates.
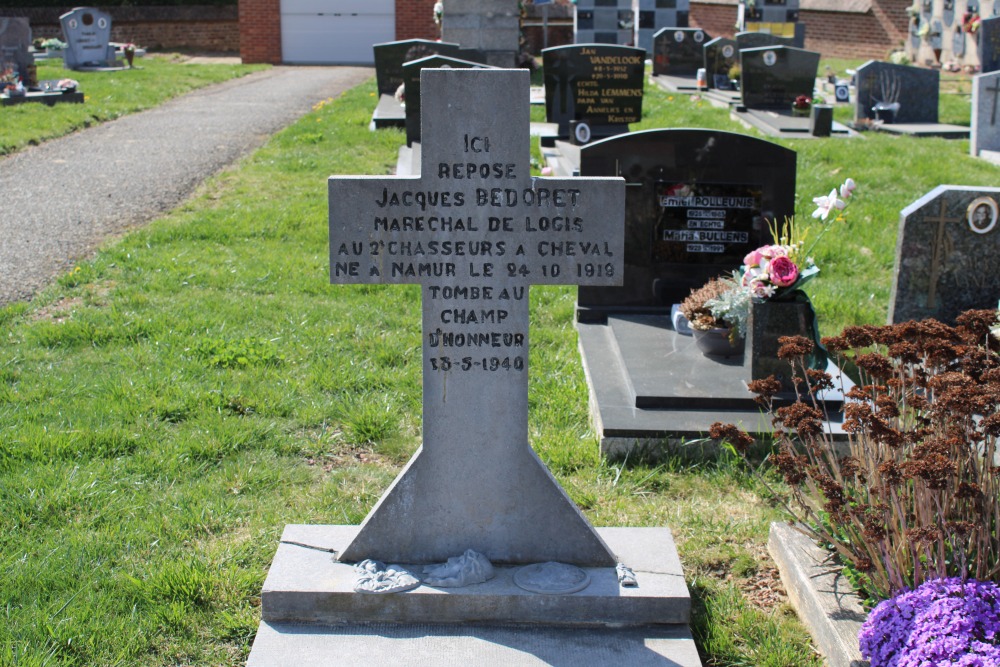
(971, 22)
(802, 104)
(10, 81)
(438, 12)
(772, 272)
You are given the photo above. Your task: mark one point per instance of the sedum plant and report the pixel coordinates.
(917, 496)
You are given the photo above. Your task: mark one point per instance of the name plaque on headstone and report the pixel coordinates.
(706, 223)
(601, 85)
(475, 229)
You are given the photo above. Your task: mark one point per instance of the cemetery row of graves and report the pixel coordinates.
(241, 392)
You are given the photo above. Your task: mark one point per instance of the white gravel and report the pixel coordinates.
(61, 199)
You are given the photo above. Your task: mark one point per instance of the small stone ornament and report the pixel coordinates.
(469, 568)
(626, 577)
(377, 577)
(552, 578)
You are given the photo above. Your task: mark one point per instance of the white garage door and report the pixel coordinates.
(335, 32)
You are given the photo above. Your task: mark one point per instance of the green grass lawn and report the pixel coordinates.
(108, 95)
(169, 406)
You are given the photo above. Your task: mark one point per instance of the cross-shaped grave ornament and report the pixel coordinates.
(475, 230)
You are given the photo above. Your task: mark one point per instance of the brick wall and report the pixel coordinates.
(842, 34)
(415, 20)
(199, 28)
(260, 31)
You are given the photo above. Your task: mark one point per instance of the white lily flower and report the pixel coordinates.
(847, 189)
(826, 204)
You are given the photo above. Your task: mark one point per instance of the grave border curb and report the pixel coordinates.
(822, 597)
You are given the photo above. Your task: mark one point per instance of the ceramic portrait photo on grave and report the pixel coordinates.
(697, 201)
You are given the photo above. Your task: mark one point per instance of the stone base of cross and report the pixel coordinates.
(475, 229)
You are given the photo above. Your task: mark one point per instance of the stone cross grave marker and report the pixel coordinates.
(475, 229)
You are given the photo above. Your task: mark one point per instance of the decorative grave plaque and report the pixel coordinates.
(985, 115)
(697, 202)
(88, 37)
(390, 56)
(774, 76)
(15, 40)
(411, 78)
(947, 255)
(475, 230)
(600, 85)
(720, 54)
(912, 91)
(679, 51)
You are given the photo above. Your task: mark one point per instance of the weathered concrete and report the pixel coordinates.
(308, 585)
(824, 599)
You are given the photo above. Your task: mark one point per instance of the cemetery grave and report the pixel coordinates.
(19, 82)
(946, 255)
(389, 60)
(678, 55)
(721, 55)
(697, 202)
(985, 132)
(475, 230)
(774, 81)
(87, 32)
(901, 99)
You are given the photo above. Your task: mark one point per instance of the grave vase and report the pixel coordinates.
(821, 120)
(717, 343)
(771, 320)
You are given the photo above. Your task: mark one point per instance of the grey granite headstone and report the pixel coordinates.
(720, 54)
(774, 76)
(15, 40)
(989, 44)
(697, 202)
(915, 89)
(679, 51)
(985, 114)
(88, 37)
(475, 230)
(411, 79)
(491, 27)
(947, 254)
(598, 84)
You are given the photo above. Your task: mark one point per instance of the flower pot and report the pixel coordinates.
(800, 112)
(716, 343)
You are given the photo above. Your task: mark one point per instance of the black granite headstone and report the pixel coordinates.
(720, 54)
(754, 40)
(678, 51)
(599, 84)
(696, 202)
(774, 76)
(989, 43)
(947, 254)
(914, 89)
(411, 79)
(390, 56)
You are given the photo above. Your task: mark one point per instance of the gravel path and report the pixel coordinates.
(63, 198)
